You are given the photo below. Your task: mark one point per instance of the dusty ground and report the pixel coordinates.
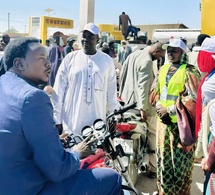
(147, 185)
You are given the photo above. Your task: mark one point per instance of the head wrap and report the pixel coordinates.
(206, 63)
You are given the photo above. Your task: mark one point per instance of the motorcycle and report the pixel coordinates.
(134, 141)
(107, 153)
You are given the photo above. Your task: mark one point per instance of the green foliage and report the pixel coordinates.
(12, 30)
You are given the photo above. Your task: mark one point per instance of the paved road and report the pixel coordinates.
(147, 185)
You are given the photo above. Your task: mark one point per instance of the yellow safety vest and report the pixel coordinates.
(169, 93)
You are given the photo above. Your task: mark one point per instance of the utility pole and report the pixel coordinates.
(25, 29)
(8, 20)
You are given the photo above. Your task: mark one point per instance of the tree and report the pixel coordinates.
(12, 30)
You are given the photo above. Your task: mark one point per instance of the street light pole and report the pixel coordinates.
(49, 10)
(8, 20)
(25, 29)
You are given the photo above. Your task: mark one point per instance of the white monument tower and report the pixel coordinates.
(86, 12)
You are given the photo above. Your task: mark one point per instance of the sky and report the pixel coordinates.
(141, 12)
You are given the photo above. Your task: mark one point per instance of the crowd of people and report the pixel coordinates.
(36, 162)
(81, 86)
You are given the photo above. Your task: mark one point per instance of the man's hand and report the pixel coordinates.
(59, 128)
(48, 89)
(204, 165)
(83, 148)
(185, 148)
(161, 111)
(143, 115)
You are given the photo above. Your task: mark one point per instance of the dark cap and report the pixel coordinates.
(70, 39)
(201, 38)
(5, 36)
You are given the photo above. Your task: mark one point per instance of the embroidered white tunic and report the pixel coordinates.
(85, 89)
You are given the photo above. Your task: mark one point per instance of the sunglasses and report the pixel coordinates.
(176, 50)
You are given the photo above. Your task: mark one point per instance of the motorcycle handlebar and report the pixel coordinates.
(123, 109)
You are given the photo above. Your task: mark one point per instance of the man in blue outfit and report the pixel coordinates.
(55, 59)
(69, 47)
(133, 30)
(2, 70)
(32, 159)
